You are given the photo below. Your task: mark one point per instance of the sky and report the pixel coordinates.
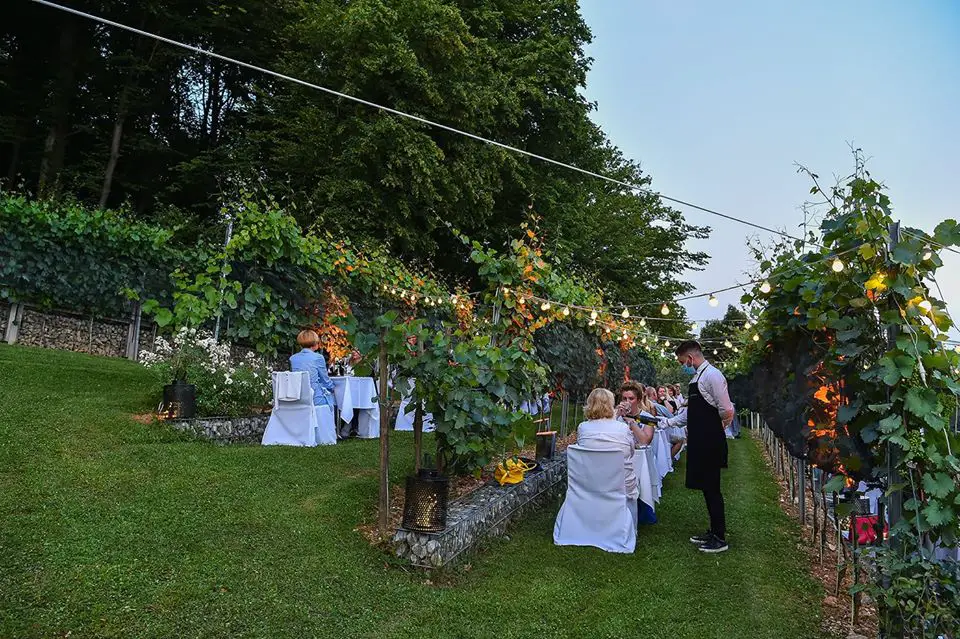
(719, 102)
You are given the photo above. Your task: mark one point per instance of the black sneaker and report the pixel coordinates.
(715, 545)
(699, 540)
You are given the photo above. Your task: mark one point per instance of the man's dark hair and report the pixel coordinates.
(689, 346)
(634, 387)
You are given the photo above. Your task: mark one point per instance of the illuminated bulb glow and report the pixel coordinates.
(664, 310)
(625, 314)
(837, 265)
(728, 344)
(643, 322)
(594, 315)
(545, 306)
(756, 337)
(927, 254)
(566, 311)
(765, 287)
(693, 327)
(713, 301)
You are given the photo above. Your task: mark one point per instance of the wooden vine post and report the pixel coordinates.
(383, 400)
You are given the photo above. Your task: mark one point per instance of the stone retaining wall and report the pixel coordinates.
(485, 512)
(225, 430)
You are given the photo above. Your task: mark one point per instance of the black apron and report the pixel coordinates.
(706, 441)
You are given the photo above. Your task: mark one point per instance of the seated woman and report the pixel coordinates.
(661, 410)
(312, 363)
(634, 404)
(602, 432)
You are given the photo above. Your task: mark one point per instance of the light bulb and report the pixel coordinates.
(837, 265)
(664, 310)
(453, 299)
(566, 311)
(594, 315)
(925, 305)
(747, 324)
(667, 343)
(643, 322)
(393, 291)
(713, 301)
(520, 300)
(756, 337)
(927, 254)
(728, 344)
(693, 327)
(957, 348)
(606, 330)
(545, 306)
(714, 351)
(625, 314)
(736, 350)
(592, 322)
(765, 287)
(644, 341)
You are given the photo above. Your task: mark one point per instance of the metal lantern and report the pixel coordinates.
(425, 502)
(546, 444)
(179, 401)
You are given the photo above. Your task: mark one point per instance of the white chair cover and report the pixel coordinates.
(326, 431)
(292, 423)
(596, 511)
(287, 386)
(404, 419)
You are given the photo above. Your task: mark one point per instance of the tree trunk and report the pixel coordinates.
(114, 156)
(55, 146)
(382, 399)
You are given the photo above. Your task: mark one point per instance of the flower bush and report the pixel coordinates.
(224, 387)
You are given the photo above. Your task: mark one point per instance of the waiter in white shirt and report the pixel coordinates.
(708, 412)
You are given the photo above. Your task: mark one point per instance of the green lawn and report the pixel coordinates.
(114, 529)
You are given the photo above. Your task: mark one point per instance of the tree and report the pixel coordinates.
(715, 333)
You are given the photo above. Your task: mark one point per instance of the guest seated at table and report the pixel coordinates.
(312, 363)
(661, 410)
(634, 404)
(602, 432)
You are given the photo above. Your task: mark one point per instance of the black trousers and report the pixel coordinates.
(718, 521)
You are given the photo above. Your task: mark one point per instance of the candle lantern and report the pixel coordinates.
(425, 502)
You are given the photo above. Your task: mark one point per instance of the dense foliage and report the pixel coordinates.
(885, 378)
(71, 257)
(114, 118)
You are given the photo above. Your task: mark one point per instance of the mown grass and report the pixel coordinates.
(115, 529)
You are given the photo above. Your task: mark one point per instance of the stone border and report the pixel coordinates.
(483, 513)
(224, 430)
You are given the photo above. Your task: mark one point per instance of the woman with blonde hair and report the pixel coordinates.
(602, 431)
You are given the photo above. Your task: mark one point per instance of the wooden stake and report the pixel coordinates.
(384, 505)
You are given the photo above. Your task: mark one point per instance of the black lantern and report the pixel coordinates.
(179, 401)
(425, 502)
(546, 444)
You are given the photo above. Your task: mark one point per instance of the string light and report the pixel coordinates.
(594, 315)
(625, 314)
(664, 310)
(957, 348)
(693, 327)
(927, 254)
(643, 322)
(644, 341)
(592, 322)
(714, 351)
(393, 291)
(736, 350)
(566, 311)
(765, 287)
(756, 337)
(747, 325)
(925, 305)
(713, 301)
(545, 306)
(667, 343)
(520, 300)
(837, 265)
(728, 344)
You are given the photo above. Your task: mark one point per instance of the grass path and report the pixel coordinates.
(114, 529)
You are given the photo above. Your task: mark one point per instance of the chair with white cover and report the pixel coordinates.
(293, 421)
(326, 426)
(596, 511)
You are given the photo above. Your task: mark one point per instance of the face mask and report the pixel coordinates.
(688, 369)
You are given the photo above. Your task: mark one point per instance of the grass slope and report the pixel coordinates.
(115, 529)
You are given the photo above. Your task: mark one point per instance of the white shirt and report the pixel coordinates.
(713, 388)
(606, 434)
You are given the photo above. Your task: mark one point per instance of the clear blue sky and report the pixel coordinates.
(719, 100)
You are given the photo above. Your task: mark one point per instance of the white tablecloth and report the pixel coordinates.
(661, 452)
(358, 394)
(644, 465)
(648, 481)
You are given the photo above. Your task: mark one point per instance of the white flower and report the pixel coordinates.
(228, 380)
